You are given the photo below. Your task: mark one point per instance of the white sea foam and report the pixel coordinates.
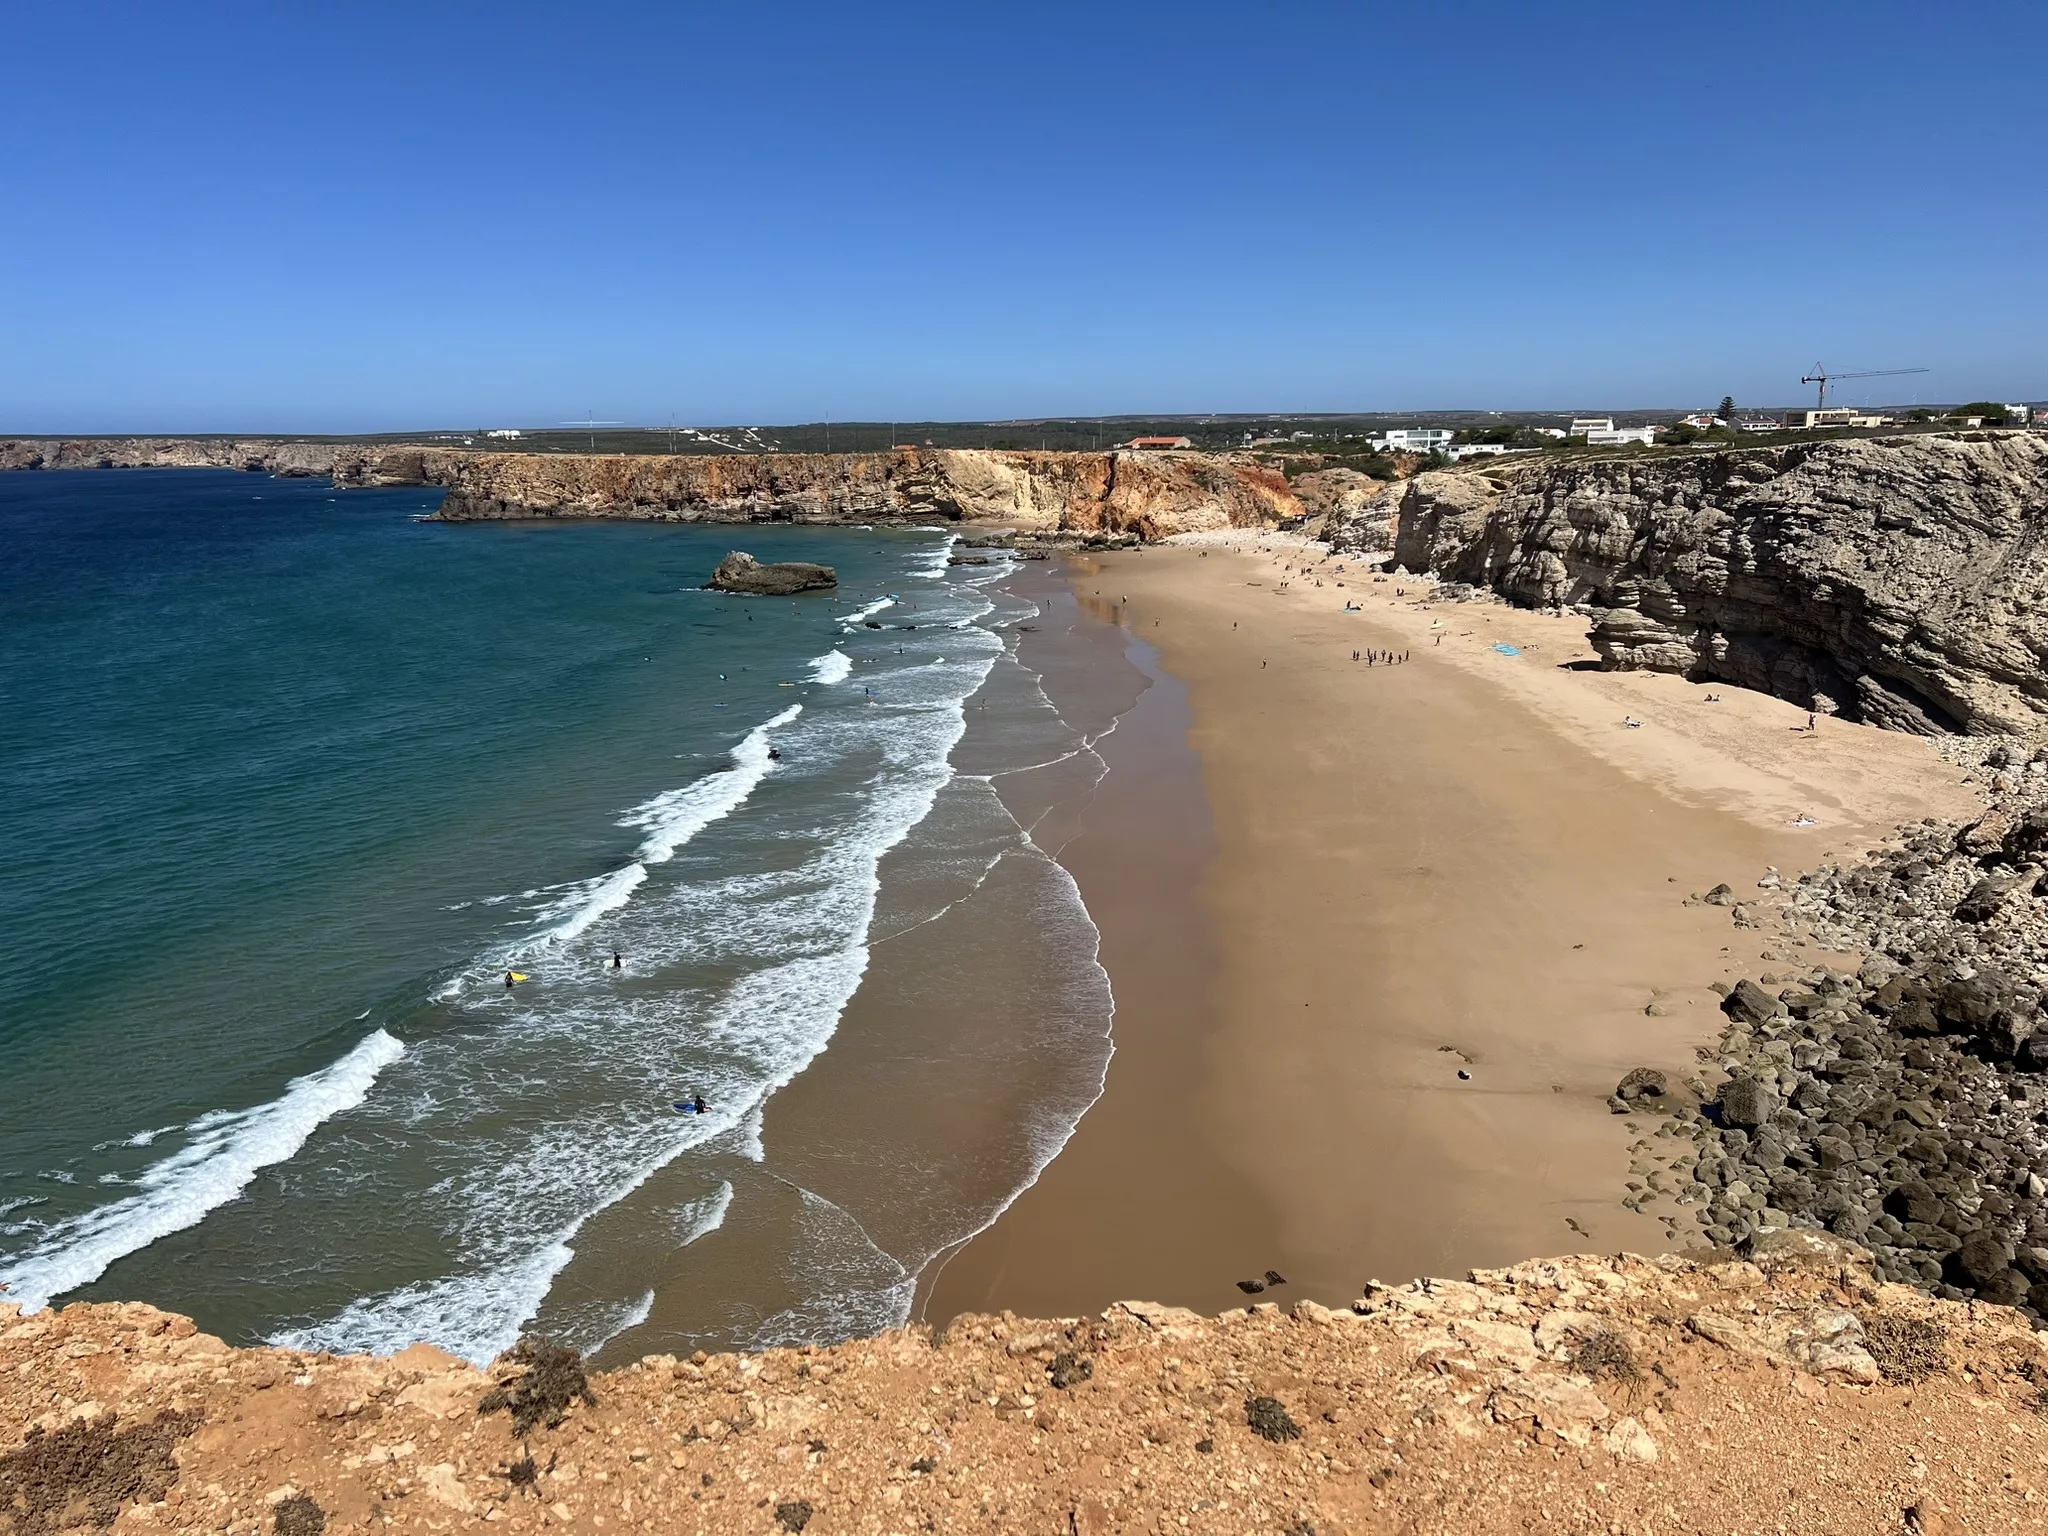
(832, 667)
(479, 1315)
(582, 904)
(939, 557)
(860, 616)
(225, 1152)
(700, 1218)
(669, 821)
(475, 1316)
(672, 819)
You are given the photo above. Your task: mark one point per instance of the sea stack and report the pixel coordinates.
(741, 572)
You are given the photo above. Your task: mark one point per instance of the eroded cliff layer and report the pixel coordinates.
(1148, 495)
(1151, 496)
(1902, 580)
(1787, 1391)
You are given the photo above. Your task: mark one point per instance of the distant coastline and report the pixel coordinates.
(1148, 495)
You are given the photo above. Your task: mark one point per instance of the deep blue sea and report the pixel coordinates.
(290, 781)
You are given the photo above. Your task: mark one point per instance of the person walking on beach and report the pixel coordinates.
(1813, 720)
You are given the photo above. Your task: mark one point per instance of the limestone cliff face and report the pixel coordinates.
(265, 454)
(1347, 499)
(1904, 579)
(1150, 495)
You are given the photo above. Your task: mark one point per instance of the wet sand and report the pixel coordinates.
(1417, 871)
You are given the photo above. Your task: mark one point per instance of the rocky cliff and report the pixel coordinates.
(1149, 495)
(1787, 1390)
(1904, 580)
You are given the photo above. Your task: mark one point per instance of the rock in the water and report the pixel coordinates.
(741, 572)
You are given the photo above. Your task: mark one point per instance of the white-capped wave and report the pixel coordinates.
(226, 1150)
(475, 1316)
(940, 557)
(582, 904)
(669, 821)
(833, 667)
(479, 1315)
(860, 616)
(673, 818)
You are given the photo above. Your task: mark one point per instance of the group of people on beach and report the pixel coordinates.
(1373, 658)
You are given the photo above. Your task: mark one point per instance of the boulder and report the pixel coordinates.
(1990, 893)
(1746, 1102)
(1749, 1003)
(741, 572)
(1643, 1083)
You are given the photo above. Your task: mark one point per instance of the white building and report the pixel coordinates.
(1416, 439)
(1476, 450)
(1586, 426)
(503, 432)
(1611, 435)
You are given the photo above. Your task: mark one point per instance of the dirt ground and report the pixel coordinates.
(1577, 1395)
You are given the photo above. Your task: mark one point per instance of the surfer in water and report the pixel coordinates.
(508, 981)
(693, 1106)
(618, 961)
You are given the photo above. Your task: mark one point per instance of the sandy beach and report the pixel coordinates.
(1428, 915)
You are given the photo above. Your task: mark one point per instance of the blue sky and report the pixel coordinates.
(367, 216)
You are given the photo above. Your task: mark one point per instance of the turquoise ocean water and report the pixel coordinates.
(289, 780)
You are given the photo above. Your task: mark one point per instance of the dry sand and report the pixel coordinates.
(1464, 863)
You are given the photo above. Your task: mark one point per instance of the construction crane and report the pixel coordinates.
(1823, 378)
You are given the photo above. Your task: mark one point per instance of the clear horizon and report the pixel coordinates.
(234, 219)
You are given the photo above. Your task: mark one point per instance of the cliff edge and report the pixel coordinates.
(1902, 581)
(1787, 1391)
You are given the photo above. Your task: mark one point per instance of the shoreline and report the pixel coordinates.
(1420, 871)
(1137, 847)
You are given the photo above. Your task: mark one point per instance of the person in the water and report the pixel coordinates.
(618, 961)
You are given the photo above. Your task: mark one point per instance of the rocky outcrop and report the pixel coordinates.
(741, 572)
(1340, 498)
(1899, 1105)
(1713, 1393)
(1140, 495)
(348, 464)
(1903, 580)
